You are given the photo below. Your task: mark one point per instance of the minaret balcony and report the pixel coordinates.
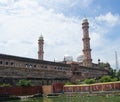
(86, 38)
(86, 50)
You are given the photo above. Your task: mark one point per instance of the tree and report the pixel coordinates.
(24, 82)
(102, 65)
(106, 78)
(114, 79)
(77, 82)
(112, 72)
(5, 85)
(90, 81)
(68, 83)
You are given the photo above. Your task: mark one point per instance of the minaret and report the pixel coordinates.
(87, 61)
(40, 48)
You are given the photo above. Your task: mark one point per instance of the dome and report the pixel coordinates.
(68, 58)
(85, 20)
(41, 37)
(80, 58)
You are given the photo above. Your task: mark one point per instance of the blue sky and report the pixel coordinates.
(59, 21)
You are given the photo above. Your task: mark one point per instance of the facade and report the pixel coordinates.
(14, 68)
(41, 72)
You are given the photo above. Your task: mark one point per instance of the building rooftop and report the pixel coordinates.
(31, 60)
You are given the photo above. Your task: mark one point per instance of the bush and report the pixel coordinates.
(68, 83)
(90, 81)
(24, 82)
(114, 79)
(5, 85)
(77, 82)
(106, 79)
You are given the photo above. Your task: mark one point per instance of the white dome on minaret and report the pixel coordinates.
(41, 37)
(85, 20)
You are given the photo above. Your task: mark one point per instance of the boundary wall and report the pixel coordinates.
(20, 91)
(98, 87)
(32, 90)
(60, 88)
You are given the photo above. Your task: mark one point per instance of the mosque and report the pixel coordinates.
(42, 72)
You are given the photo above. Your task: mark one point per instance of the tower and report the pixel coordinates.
(116, 60)
(87, 61)
(40, 48)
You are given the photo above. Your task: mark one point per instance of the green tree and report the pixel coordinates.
(106, 78)
(77, 82)
(114, 79)
(89, 81)
(68, 83)
(112, 72)
(5, 85)
(24, 82)
(102, 65)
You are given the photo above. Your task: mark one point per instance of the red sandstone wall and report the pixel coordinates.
(68, 89)
(96, 87)
(19, 91)
(93, 88)
(76, 89)
(57, 87)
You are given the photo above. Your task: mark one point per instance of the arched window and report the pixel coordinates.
(1, 62)
(6, 63)
(11, 63)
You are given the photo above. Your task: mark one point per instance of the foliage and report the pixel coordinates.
(114, 79)
(90, 81)
(106, 78)
(5, 85)
(102, 65)
(24, 82)
(68, 83)
(77, 82)
(114, 74)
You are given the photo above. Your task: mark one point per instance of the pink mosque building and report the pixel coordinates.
(42, 72)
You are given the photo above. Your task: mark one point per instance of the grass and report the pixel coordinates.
(73, 99)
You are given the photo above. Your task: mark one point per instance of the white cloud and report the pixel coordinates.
(26, 23)
(102, 43)
(109, 19)
(23, 21)
(70, 3)
(4, 1)
(100, 29)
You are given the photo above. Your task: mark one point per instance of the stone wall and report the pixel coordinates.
(20, 91)
(82, 72)
(92, 88)
(13, 68)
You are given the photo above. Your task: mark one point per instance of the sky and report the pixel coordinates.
(59, 21)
